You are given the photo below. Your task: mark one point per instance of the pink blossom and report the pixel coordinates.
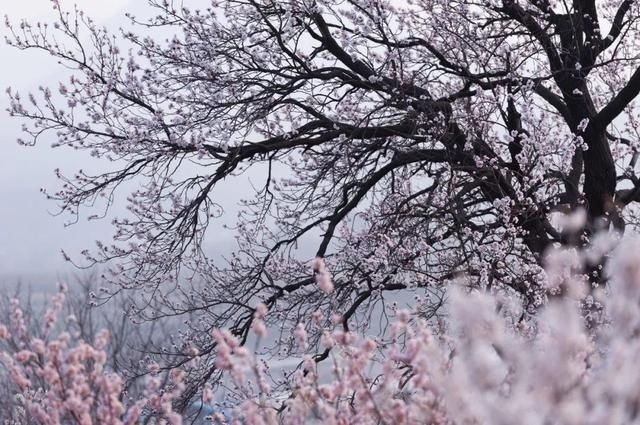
(300, 335)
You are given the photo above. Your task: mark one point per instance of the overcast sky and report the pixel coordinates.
(30, 237)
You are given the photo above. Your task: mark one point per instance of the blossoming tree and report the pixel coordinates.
(408, 142)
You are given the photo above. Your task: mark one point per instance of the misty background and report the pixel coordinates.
(31, 235)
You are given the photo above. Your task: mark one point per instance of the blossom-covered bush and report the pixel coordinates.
(62, 380)
(489, 362)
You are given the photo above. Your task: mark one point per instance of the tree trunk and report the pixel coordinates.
(599, 173)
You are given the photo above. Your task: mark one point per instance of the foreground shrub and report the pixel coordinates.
(575, 362)
(62, 380)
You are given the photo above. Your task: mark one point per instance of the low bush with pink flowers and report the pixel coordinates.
(489, 362)
(59, 379)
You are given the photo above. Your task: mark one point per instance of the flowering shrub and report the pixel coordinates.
(61, 380)
(488, 364)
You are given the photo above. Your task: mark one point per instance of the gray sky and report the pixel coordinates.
(30, 237)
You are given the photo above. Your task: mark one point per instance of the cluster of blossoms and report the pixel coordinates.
(488, 363)
(59, 379)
